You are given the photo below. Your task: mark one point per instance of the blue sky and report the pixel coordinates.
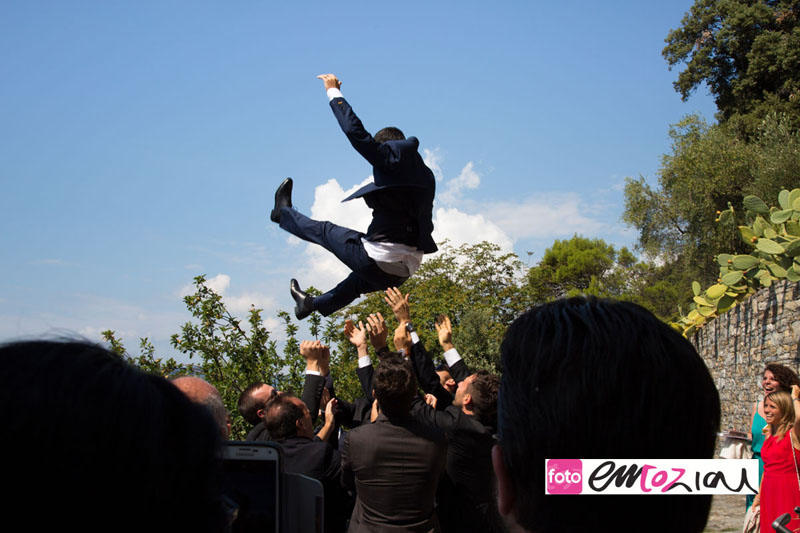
(141, 142)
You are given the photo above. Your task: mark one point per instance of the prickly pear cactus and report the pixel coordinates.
(774, 235)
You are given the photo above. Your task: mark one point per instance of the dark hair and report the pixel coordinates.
(591, 378)
(389, 134)
(483, 390)
(784, 375)
(394, 385)
(281, 415)
(249, 405)
(118, 446)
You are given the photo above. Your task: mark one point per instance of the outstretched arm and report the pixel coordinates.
(378, 154)
(357, 335)
(317, 367)
(458, 368)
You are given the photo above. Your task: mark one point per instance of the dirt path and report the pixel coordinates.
(727, 514)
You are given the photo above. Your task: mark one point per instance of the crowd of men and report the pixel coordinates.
(428, 448)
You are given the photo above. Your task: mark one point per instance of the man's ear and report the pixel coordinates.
(260, 414)
(450, 382)
(505, 488)
(467, 402)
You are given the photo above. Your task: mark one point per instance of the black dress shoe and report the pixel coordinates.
(304, 301)
(283, 198)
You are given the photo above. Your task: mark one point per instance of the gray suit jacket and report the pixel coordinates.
(395, 466)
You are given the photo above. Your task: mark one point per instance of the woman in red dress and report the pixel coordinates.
(780, 486)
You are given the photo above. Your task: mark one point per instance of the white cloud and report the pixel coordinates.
(219, 283)
(323, 270)
(453, 189)
(240, 304)
(546, 215)
(460, 228)
(538, 220)
(432, 158)
(237, 304)
(328, 205)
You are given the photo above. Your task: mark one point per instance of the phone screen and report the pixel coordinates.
(251, 485)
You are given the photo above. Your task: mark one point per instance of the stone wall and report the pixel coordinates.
(763, 329)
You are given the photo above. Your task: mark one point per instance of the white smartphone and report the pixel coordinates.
(252, 472)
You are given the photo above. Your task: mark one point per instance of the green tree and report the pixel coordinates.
(480, 288)
(708, 168)
(231, 356)
(584, 266)
(746, 51)
(146, 360)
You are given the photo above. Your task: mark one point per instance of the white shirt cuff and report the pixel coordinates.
(334, 93)
(451, 357)
(313, 373)
(414, 337)
(364, 361)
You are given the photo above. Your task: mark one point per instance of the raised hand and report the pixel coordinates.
(330, 81)
(317, 356)
(402, 338)
(376, 327)
(444, 330)
(431, 400)
(398, 303)
(357, 336)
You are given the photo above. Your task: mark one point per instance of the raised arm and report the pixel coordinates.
(317, 368)
(458, 368)
(378, 154)
(357, 335)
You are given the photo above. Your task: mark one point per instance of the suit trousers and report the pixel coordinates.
(346, 245)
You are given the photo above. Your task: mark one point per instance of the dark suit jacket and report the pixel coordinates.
(466, 494)
(319, 460)
(395, 466)
(401, 196)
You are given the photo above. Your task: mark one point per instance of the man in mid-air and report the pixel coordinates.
(401, 199)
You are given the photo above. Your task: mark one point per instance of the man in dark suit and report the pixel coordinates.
(401, 199)
(468, 419)
(395, 463)
(288, 422)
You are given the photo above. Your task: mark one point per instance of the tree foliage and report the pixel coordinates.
(746, 51)
(593, 267)
(710, 167)
(480, 288)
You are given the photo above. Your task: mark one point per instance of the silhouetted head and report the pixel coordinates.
(588, 378)
(97, 443)
(394, 385)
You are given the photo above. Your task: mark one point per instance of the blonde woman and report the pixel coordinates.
(780, 485)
